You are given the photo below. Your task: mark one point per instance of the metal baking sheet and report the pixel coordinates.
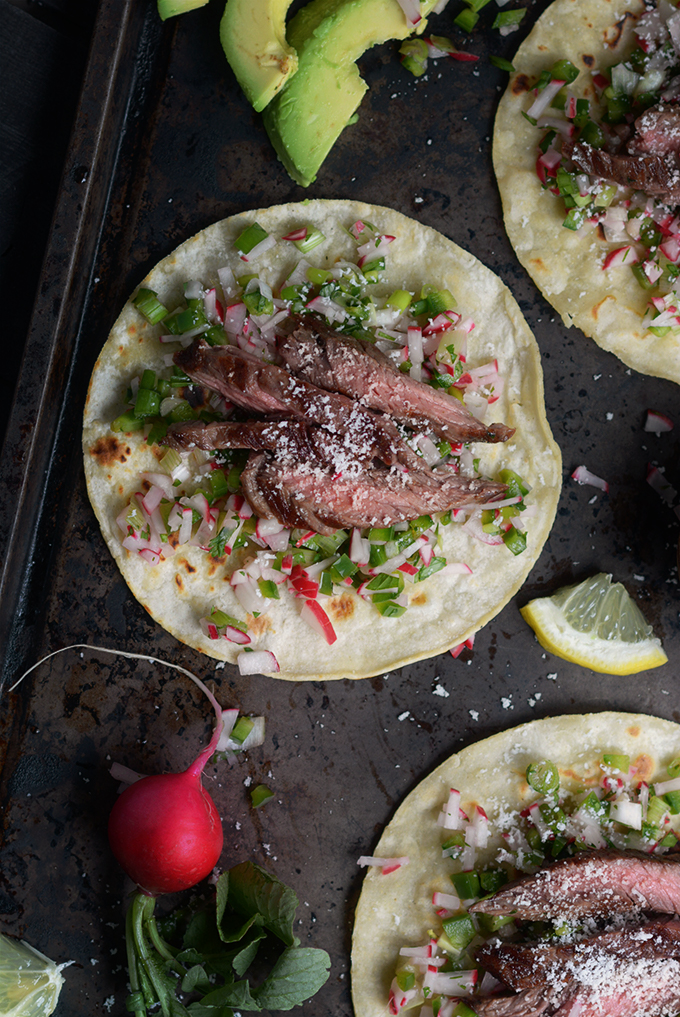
(165, 144)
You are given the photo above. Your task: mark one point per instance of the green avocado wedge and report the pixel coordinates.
(171, 8)
(308, 115)
(253, 37)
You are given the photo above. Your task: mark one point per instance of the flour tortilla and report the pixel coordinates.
(444, 611)
(607, 306)
(396, 910)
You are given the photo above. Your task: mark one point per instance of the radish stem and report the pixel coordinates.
(135, 1001)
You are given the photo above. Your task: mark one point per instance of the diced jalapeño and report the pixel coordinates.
(147, 303)
(467, 884)
(243, 726)
(565, 71)
(616, 762)
(543, 777)
(250, 238)
(459, 930)
(515, 540)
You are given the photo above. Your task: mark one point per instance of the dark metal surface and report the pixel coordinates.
(165, 144)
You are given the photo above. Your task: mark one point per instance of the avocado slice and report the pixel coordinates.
(307, 116)
(253, 36)
(169, 8)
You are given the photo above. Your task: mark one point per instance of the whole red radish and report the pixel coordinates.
(165, 830)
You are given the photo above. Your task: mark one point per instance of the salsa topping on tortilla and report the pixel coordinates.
(614, 159)
(558, 919)
(317, 438)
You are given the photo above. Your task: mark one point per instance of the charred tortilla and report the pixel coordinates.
(396, 910)
(607, 304)
(443, 610)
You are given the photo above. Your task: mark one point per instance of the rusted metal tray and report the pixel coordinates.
(165, 144)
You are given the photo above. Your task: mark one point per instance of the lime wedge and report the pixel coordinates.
(30, 983)
(596, 624)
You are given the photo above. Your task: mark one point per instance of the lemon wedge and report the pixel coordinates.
(596, 624)
(30, 983)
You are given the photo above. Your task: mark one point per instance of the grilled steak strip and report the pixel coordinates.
(292, 440)
(341, 363)
(531, 1003)
(657, 131)
(264, 388)
(591, 883)
(657, 175)
(634, 990)
(521, 965)
(302, 495)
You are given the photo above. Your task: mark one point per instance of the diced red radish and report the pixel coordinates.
(359, 548)
(582, 475)
(149, 556)
(257, 662)
(163, 481)
(626, 812)
(212, 308)
(557, 123)
(399, 998)
(235, 635)
(184, 535)
(259, 249)
(302, 584)
(209, 629)
(475, 528)
(431, 453)
(479, 824)
(315, 616)
(426, 554)
(294, 235)
(544, 98)
(652, 270)
(670, 248)
(358, 228)
(228, 283)
(659, 423)
(373, 249)
(621, 256)
(663, 488)
(446, 900)
(152, 499)
(451, 814)
(662, 787)
(328, 308)
(456, 983)
(234, 318)
(249, 596)
(391, 864)
(442, 323)
(411, 9)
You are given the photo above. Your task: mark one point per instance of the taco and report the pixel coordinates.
(585, 153)
(292, 434)
(514, 878)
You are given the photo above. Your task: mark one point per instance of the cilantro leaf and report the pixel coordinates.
(218, 543)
